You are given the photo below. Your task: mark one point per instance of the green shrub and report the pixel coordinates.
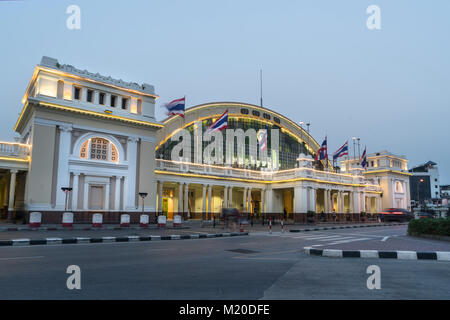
(430, 226)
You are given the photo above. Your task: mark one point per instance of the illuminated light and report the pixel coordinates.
(262, 172)
(265, 181)
(384, 171)
(80, 78)
(108, 111)
(15, 159)
(208, 105)
(94, 113)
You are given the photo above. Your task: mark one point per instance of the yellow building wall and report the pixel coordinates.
(39, 187)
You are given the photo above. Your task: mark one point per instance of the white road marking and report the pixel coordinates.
(18, 258)
(385, 238)
(322, 237)
(347, 241)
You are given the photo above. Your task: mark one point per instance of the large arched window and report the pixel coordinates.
(398, 187)
(99, 149)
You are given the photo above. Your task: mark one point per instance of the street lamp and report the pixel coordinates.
(301, 131)
(66, 190)
(418, 192)
(143, 195)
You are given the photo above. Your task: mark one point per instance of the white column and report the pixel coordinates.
(107, 192)
(300, 199)
(12, 190)
(180, 197)
(262, 201)
(325, 202)
(76, 177)
(230, 198)
(244, 205)
(339, 201)
(363, 201)
(86, 195)
(225, 197)
(160, 196)
(356, 202)
(249, 200)
(117, 194)
(131, 179)
(209, 200)
(63, 177)
(204, 200)
(313, 199)
(186, 198)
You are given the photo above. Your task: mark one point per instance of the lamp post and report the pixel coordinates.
(301, 131)
(66, 190)
(359, 153)
(143, 195)
(307, 127)
(418, 192)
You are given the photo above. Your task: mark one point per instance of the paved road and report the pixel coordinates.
(253, 267)
(380, 238)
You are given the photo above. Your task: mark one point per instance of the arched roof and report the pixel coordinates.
(216, 109)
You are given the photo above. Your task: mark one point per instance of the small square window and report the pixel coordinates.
(101, 98)
(77, 93)
(90, 96)
(124, 103)
(113, 101)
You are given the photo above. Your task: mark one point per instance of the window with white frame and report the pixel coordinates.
(99, 149)
(398, 187)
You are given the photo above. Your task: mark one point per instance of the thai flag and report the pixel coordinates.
(342, 151)
(219, 124)
(364, 159)
(262, 139)
(176, 107)
(322, 152)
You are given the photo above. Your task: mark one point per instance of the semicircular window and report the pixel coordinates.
(99, 149)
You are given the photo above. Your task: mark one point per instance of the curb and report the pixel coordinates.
(400, 255)
(347, 227)
(50, 241)
(85, 228)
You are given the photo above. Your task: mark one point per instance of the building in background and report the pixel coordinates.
(388, 170)
(424, 182)
(99, 136)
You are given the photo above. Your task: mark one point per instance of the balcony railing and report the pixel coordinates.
(260, 175)
(14, 150)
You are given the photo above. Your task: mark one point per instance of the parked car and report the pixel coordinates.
(423, 215)
(396, 214)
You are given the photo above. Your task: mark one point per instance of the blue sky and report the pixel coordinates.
(390, 87)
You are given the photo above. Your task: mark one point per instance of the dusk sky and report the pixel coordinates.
(390, 87)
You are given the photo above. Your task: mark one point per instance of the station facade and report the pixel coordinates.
(99, 136)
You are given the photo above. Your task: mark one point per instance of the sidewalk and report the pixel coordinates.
(12, 231)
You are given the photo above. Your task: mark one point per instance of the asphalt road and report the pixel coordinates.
(263, 267)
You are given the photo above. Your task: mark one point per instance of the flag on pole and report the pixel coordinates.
(342, 151)
(364, 159)
(176, 107)
(322, 152)
(262, 139)
(219, 124)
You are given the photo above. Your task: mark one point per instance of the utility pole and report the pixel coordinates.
(261, 85)
(359, 152)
